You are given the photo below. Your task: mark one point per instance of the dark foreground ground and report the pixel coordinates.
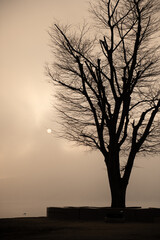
(47, 229)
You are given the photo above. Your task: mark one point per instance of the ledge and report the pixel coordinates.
(131, 214)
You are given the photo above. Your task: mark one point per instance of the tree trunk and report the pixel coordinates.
(118, 195)
(117, 184)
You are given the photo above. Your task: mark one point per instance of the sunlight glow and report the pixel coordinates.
(49, 130)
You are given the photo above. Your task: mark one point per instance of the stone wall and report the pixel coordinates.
(104, 213)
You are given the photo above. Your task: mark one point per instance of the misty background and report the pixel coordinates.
(37, 170)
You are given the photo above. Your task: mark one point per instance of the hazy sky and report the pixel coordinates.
(36, 169)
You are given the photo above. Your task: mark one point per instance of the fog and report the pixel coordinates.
(37, 170)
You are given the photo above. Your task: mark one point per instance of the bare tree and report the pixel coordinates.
(108, 85)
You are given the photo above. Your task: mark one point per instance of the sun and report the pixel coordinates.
(49, 130)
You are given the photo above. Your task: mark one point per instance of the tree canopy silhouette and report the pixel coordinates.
(107, 80)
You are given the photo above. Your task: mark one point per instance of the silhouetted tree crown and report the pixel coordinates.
(107, 80)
